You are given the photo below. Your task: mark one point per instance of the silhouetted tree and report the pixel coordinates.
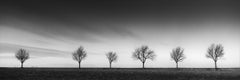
(22, 55)
(177, 55)
(79, 55)
(215, 52)
(143, 53)
(112, 57)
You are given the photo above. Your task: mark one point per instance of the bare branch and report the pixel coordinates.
(79, 55)
(215, 52)
(22, 55)
(177, 54)
(143, 53)
(112, 57)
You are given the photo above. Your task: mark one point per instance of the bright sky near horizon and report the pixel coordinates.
(53, 31)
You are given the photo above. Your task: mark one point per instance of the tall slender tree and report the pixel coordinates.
(177, 55)
(79, 55)
(22, 55)
(143, 53)
(112, 57)
(215, 52)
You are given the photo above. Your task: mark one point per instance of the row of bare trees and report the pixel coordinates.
(143, 53)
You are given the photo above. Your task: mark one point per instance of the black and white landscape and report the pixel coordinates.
(120, 40)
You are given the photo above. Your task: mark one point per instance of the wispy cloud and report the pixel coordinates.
(34, 51)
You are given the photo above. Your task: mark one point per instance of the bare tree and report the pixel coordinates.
(215, 52)
(22, 55)
(112, 57)
(143, 53)
(79, 55)
(177, 55)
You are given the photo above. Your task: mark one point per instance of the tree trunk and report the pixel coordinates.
(110, 65)
(177, 65)
(79, 65)
(21, 64)
(143, 65)
(215, 65)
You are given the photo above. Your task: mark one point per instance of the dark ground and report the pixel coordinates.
(117, 74)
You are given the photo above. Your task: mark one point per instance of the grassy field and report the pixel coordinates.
(117, 74)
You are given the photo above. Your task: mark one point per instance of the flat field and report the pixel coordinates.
(118, 74)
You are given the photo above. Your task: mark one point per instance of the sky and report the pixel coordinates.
(52, 30)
